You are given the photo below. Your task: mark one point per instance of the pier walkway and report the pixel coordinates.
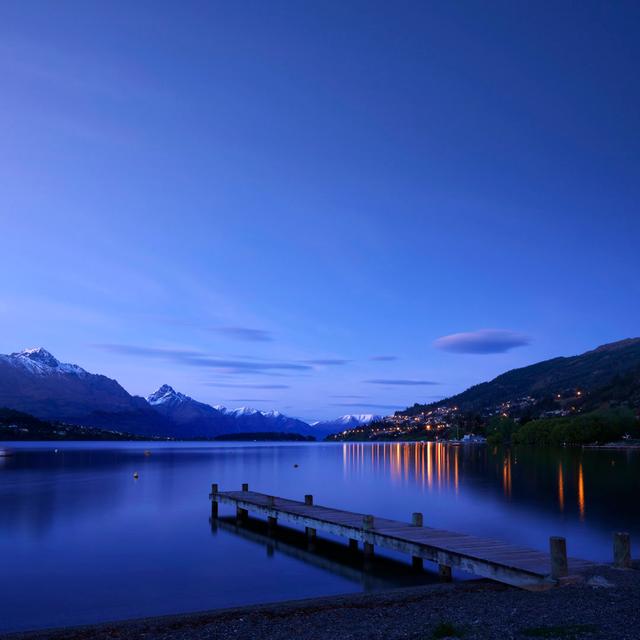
(494, 559)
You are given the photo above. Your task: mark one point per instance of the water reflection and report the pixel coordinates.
(581, 503)
(70, 515)
(521, 475)
(431, 464)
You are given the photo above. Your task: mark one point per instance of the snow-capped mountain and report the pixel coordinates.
(39, 361)
(35, 382)
(192, 419)
(196, 419)
(346, 422)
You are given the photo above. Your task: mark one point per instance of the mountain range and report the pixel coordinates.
(607, 375)
(34, 382)
(346, 422)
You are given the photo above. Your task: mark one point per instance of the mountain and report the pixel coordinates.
(349, 421)
(608, 374)
(35, 382)
(194, 419)
(251, 420)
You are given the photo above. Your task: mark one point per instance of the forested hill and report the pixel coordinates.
(608, 374)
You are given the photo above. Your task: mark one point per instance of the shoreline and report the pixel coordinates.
(603, 605)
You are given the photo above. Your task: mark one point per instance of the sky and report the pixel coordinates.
(318, 207)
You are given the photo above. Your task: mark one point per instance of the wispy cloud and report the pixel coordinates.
(365, 405)
(348, 396)
(229, 385)
(199, 359)
(383, 358)
(401, 382)
(327, 361)
(245, 333)
(482, 342)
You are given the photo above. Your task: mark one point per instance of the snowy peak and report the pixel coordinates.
(360, 418)
(37, 354)
(349, 420)
(167, 395)
(39, 361)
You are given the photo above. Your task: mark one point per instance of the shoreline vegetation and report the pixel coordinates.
(473, 610)
(16, 426)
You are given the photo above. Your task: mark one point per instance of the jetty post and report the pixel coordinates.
(622, 550)
(417, 521)
(311, 532)
(367, 525)
(559, 563)
(272, 521)
(214, 500)
(242, 514)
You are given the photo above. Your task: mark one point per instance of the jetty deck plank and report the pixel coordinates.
(495, 559)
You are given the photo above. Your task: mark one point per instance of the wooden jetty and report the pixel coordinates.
(500, 561)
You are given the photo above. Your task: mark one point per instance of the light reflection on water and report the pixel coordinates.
(82, 540)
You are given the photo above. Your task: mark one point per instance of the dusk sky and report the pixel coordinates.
(296, 205)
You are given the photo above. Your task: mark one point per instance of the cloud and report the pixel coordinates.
(366, 405)
(327, 361)
(383, 358)
(198, 359)
(229, 385)
(245, 333)
(483, 341)
(354, 397)
(401, 382)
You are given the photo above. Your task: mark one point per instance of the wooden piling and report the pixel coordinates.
(622, 550)
(558, 551)
(444, 572)
(308, 499)
(367, 525)
(416, 521)
(245, 486)
(214, 501)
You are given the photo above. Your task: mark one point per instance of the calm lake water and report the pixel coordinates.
(82, 541)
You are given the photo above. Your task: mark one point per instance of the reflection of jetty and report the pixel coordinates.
(336, 558)
(483, 557)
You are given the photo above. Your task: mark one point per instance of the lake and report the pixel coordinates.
(82, 540)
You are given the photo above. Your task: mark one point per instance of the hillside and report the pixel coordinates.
(608, 374)
(15, 425)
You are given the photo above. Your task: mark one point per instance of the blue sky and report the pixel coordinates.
(290, 204)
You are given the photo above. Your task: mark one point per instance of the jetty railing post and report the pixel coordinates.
(245, 487)
(367, 525)
(559, 563)
(214, 500)
(416, 521)
(311, 532)
(444, 571)
(272, 521)
(622, 550)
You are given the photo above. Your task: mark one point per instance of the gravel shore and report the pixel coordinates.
(603, 605)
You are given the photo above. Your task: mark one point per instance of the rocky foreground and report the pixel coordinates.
(606, 604)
